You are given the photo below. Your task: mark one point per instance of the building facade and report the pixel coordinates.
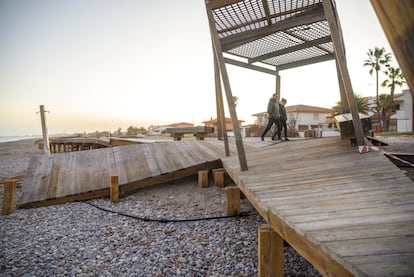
(403, 112)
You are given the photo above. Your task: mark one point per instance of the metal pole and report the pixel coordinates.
(44, 130)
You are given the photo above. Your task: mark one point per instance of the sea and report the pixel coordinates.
(17, 138)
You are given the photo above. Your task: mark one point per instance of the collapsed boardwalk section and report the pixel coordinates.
(66, 177)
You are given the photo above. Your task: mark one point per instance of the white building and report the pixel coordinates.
(404, 111)
(155, 130)
(301, 118)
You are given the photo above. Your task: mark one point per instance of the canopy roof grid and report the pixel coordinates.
(284, 34)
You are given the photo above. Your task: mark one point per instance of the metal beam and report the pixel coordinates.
(317, 59)
(267, 12)
(291, 49)
(314, 15)
(215, 4)
(250, 66)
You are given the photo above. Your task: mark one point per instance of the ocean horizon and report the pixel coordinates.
(17, 138)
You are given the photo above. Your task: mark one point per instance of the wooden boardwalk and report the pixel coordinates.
(66, 177)
(346, 213)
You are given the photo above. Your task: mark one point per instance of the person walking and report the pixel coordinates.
(283, 116)
(273, 109)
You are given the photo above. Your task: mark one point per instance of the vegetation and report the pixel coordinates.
(235, 100)
(395, 78)
(362, 105)
(377, 60)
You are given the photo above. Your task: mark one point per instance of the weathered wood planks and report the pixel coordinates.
(72, 176)
(346, 213)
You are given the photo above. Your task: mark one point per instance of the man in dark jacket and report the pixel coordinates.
(273, 110)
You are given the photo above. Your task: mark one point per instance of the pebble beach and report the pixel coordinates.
(174, 229)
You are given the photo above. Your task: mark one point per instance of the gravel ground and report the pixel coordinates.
(79, 239)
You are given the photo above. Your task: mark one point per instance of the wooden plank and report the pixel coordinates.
(381, 265)
(378, 230)
(152, 165)
(163, 161)
(352, 220)
(185, 154)
(310, 208)
(132, 163)
(37, 178)
(372, 246)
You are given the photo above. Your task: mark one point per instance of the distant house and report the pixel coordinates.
(229, 125)
(158, 129)
(301, 117)
(402, 120)
(181, 125)
(155, 130)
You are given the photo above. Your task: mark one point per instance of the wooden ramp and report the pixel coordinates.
(346, 213)
(65, 177)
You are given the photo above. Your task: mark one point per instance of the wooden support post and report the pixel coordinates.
(278, 85)
(233, 200)
(218, 175)
(46, 146)
(270, 252)
(226, 83)
(221, 119)
(9, 196)
(203, 178)
(114, 189)
(339, 47)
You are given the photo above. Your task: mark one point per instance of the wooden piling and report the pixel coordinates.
(233, 200)
(270, 252)
(9, 196)
(218, 176)
(203, 178)
(114, 189)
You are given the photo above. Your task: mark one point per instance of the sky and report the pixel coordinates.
(106, 64)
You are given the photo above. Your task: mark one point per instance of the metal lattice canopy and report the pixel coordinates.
(273, 35)
(280, 33)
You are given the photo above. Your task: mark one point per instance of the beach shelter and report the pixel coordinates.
(273, 35)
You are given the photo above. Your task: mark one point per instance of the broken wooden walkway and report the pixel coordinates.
(74, 176)
(348, 214)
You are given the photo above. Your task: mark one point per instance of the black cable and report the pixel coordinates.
(165, 220)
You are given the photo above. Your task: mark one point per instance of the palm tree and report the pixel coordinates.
(235, 101)
(395, 78)
(377, 58)
(361, 101)
(386, 104)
